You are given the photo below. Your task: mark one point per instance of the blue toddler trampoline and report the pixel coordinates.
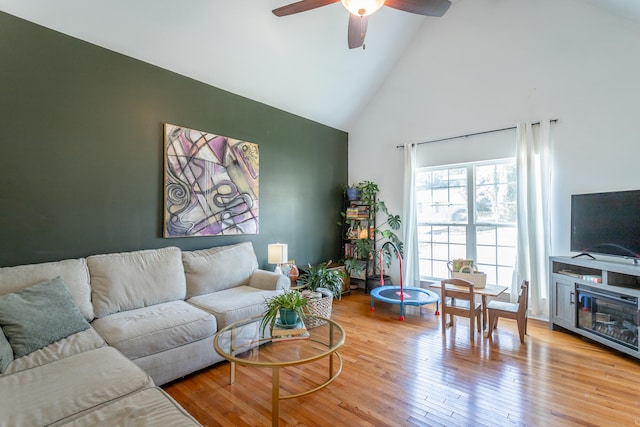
(406, 296)
(401, 295)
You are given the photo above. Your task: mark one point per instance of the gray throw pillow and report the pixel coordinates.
(6, 353)
(39, 315)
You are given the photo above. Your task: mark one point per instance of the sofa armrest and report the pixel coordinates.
(269, 281)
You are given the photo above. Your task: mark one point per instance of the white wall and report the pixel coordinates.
(492, 63)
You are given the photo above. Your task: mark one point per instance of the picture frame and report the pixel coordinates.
(211, 184)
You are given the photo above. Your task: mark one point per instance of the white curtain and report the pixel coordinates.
(411, 272)
(534, 242)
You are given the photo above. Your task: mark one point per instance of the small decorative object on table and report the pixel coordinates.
(294, 273)
(281, 330)
(282, 333)
(465, 269)
(458, 263)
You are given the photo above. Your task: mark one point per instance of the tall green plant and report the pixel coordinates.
(384, 231)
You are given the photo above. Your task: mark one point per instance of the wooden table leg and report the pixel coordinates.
(485, 329)
(232, 372)
(275, 396)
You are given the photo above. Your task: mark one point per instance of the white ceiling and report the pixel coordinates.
(299, 63)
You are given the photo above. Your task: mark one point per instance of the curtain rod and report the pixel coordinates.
(471, 134)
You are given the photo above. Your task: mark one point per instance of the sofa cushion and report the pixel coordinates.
(130, 280)
(73, 344)
(39, 315)
(216, 269)
(150, 407)
(234, 304)
(73, 272)
(177, 362)
(138, 333)
(6, 352)
(58, 390)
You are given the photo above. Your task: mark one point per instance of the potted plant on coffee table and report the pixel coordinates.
(287, 307)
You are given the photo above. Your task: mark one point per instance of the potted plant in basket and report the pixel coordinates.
(322, 286)
(321, 277)
(371, 249)
(288, 307)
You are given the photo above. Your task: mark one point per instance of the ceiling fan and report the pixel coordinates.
(359, 10)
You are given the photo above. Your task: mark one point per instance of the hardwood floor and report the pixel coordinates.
(407, 374)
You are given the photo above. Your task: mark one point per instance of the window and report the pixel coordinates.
(468, 211)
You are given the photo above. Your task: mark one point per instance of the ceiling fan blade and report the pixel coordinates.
(301, 6)
(357, 30)
(421, 7)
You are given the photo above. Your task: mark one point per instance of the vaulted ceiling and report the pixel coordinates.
(299, 63)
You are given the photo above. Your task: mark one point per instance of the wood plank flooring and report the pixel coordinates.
(407, 374)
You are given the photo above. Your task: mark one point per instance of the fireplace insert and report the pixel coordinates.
(611, 315)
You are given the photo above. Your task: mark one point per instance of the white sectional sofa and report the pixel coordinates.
(88, 341)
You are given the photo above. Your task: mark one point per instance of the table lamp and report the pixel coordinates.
(277, 254)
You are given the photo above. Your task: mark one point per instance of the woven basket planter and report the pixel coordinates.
(320, 307)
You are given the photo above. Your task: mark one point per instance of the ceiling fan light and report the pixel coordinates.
(362, 7)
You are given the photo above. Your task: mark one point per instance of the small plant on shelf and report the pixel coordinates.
(280, 306)
(351, 192)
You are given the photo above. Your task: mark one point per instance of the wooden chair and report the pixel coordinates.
(458, 299)
(517, 311)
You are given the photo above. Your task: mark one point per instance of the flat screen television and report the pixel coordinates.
(606, 223)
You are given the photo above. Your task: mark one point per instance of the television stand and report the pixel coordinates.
(583, 254)
(596, 299)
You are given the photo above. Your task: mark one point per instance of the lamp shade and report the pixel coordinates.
(277, 253)
(362, 7)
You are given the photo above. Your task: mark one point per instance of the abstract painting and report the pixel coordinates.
(210, 184)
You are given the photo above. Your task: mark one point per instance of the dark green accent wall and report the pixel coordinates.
(81, 154)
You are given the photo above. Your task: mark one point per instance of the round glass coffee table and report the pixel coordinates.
(245, 344)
